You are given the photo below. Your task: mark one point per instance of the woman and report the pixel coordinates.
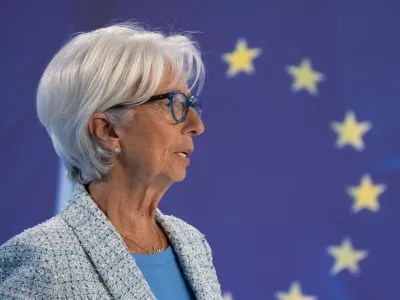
(117, 105)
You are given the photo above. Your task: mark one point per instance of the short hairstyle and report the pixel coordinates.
(99, 69)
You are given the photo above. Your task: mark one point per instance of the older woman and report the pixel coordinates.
(117, 105)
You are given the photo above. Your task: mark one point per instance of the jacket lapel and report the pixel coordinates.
(114, 262)
(105, 247)
(188, 244)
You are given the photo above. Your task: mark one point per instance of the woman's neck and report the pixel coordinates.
(126, 202)
(131, 209)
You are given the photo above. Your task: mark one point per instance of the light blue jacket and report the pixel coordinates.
(79, 255)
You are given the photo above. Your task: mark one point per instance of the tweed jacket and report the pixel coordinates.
(78, 254)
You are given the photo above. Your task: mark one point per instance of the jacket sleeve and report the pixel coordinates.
(24, 272)
(213, 272)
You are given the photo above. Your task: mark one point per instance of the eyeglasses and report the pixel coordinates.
(179, 104)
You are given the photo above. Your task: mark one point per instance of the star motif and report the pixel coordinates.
(346, 257)
(350, 132)
(241, 59)
(305, 77)
(366, 194)
(294, 293)
(227, 296)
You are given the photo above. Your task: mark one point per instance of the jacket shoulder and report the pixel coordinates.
(183, 225)
(45, 262)
(51, 234)
(190, 234)
(181, 228)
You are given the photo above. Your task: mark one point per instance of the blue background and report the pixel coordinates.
(267, 185)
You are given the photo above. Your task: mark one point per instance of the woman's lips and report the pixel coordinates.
(183, 156)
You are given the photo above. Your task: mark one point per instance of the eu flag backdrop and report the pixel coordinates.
(295, 182)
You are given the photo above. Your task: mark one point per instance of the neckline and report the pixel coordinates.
(159, 258)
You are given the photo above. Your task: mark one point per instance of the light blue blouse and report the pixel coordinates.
(164, 275)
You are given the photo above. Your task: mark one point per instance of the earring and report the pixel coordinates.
(116, 150)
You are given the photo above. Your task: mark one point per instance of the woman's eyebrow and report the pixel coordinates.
(189, 94)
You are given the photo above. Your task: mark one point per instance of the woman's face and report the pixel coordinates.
(153, 142)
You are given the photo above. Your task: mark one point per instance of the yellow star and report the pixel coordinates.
(241, 59)
(346, 257)
(227, 296)
(350, 132)
(366, 194)
(305, 78)
(294, 293)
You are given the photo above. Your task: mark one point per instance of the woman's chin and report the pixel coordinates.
(178, 175)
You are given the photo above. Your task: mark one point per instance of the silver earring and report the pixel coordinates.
(116, 150)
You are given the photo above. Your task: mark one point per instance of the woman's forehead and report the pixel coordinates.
(171, 83)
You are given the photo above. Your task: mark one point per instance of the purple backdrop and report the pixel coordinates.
(295, 180)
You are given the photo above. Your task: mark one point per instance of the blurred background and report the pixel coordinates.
(295, 182)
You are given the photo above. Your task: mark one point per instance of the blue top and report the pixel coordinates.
(164, 275)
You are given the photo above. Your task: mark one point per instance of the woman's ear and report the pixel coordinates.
(101, 127)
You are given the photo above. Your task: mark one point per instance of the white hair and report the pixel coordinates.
(121, 63)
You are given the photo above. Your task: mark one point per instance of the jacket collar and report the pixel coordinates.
(111, 257)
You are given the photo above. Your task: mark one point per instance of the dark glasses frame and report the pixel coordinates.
(191, 101)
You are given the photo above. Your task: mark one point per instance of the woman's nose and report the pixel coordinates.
(194, 124)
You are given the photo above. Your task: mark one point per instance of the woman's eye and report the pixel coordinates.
(163, 103)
